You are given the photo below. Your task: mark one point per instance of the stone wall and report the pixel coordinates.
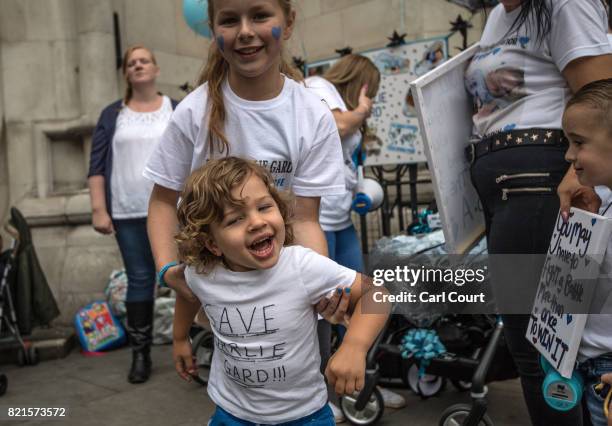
(58, 69)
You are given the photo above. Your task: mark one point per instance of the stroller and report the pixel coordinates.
(9, 330)
(472, 343)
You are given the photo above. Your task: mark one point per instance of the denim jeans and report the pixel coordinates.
(344, 247)
(591, 371)
(321, 417)
(133, 241)
(522, 224)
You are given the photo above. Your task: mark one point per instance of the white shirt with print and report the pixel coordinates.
(516, 81)
(266, 363)
(293, 135)
(335, 214)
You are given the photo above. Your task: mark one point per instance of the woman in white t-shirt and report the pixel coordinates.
(248, 105)
(533, 54)
(127, 132)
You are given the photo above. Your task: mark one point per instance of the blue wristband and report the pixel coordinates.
(162, 272)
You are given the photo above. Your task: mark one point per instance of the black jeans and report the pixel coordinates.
(521, 222)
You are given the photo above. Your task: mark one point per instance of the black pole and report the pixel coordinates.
(117, 33)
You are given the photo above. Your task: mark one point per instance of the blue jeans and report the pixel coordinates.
(131, 235)
(522, 224)
(321, 417)
(344, 247)
(591, 371)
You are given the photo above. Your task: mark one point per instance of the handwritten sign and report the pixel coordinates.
(394, 136)
(567, 286)
(445, 117)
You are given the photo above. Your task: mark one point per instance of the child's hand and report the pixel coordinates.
(183, 359)
(346, 370)
(334, 309)
(607, 378)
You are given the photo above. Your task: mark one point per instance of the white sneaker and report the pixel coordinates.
(392, 399)
(338, 416)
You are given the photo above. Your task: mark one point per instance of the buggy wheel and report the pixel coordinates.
(371, 413)
(461, 385)
(456, 414)
(33, 357)
(21, 357)
(3, 384)
(426, 386)
(202, 349)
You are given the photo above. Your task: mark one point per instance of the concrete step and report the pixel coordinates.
(50, 343)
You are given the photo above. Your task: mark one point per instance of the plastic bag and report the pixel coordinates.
(162, 320)
(116, 292)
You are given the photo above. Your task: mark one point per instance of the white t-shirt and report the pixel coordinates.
(597, 336)
(335, 213)
(265, 367)
(516, 81)
(293, 135)
(137, 134)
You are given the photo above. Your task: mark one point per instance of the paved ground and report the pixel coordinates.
(95, 392)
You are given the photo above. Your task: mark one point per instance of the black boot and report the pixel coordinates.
(140, 329)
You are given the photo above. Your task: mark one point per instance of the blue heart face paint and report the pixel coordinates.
(221, 43)
(276, 32)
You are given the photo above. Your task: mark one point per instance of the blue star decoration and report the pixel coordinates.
(396, 39)
(344, 51)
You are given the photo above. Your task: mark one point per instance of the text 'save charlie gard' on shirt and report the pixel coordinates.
(265, 367)
(293, 135)
(516, 81)
(335, 213)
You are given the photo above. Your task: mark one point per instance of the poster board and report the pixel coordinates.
(445, 117)
(566, 288)
(396, 137)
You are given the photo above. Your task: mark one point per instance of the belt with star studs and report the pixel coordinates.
(515, 138)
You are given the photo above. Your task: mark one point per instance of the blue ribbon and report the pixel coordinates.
(423, 345)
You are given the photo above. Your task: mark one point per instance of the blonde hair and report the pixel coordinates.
(126, 56)
(349, 74)
(215, 73)
(206, 195)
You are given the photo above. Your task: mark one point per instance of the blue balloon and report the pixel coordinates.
(195, 13)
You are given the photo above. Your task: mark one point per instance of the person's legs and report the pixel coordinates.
(519, 226)
(348, 249)
(592, 371)
(135, 250)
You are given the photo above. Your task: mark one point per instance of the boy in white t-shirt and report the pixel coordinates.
(587, 123)
(259, 295)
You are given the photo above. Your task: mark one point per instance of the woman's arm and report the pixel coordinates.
(100, 218)
(579, 72)
(350, 121)
(100, 150)
(162, 225)
(308, 232)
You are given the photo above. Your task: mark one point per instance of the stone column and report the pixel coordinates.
(97, 64)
